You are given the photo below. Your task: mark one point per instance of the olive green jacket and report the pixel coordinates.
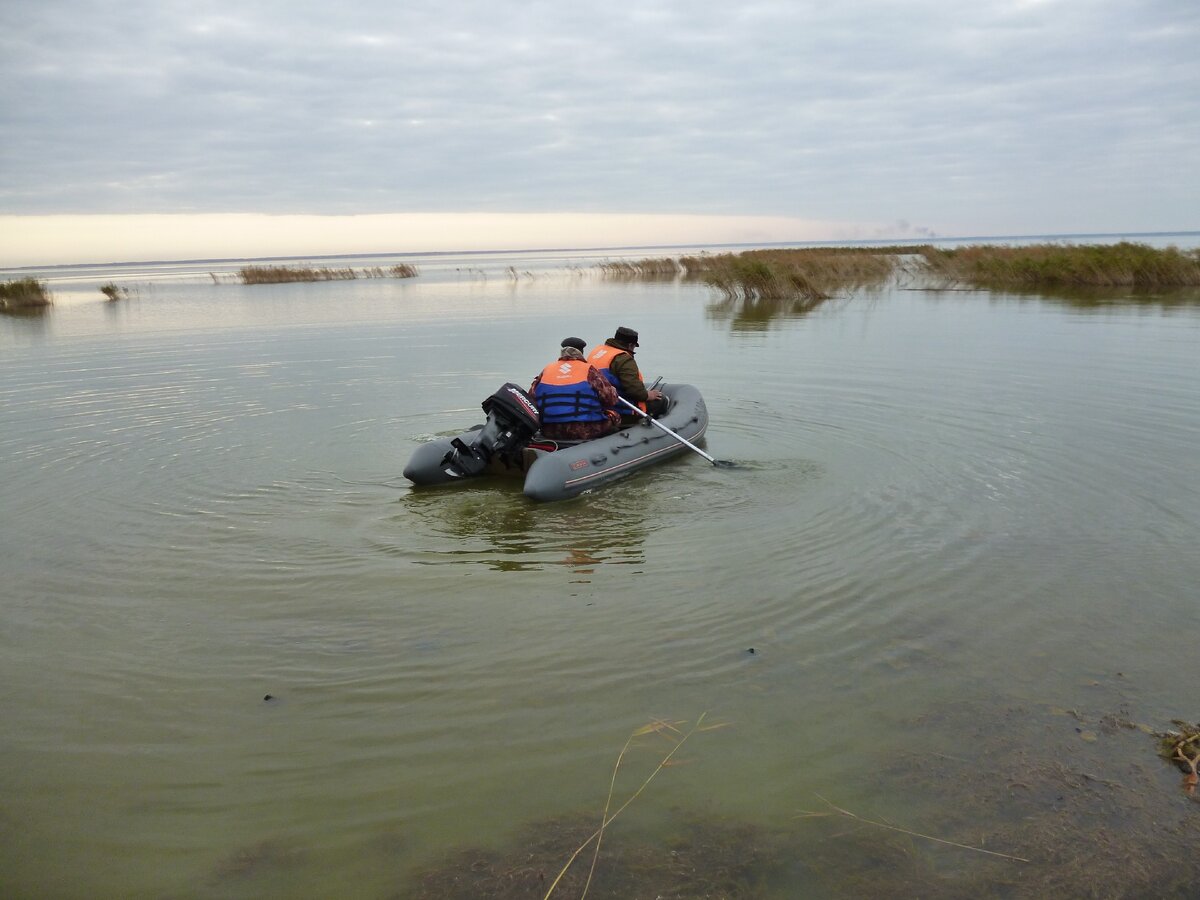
(625, 367)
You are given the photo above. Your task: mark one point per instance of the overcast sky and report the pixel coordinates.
(861, 117)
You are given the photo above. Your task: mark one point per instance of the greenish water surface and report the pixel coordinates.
(959, 551)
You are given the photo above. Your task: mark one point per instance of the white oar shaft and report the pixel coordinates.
(678, 437)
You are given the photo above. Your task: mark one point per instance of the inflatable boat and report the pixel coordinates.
(508, 444)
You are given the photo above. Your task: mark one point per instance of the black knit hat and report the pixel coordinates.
(626, 336)
(577, 343)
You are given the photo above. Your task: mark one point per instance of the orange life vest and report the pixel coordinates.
(602, 358)
(564, 395)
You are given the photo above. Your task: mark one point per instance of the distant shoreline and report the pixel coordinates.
(1085, 237)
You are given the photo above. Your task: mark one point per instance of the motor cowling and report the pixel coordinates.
(512, 419)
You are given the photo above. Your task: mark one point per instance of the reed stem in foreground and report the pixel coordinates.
(837, 810)
(658, 727)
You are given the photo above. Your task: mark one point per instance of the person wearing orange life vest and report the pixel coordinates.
(614, 360)
(575, 400)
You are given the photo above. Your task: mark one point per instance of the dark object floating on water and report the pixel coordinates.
(268, 698)
(508, 444)
(751, 651)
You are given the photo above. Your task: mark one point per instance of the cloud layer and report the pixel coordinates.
(994, 117)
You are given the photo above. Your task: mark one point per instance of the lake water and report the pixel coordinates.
(951, 587)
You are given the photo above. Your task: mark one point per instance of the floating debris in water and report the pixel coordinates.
(1183, 747)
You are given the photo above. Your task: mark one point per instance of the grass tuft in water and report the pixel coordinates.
(24, 293)
(114, 292)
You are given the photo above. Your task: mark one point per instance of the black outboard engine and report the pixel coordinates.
(512, 419)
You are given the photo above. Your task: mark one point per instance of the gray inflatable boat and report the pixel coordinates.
(508, 445)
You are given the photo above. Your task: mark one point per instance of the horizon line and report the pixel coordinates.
(925, 239)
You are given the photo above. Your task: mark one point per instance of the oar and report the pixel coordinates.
(719, 463)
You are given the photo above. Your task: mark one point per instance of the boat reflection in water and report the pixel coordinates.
(491, 523)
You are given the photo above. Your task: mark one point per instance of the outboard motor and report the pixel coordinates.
(512, 419)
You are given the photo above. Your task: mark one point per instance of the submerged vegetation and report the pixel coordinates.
(23, 294)
(288, 274)
(699, 858)
(1080, 815)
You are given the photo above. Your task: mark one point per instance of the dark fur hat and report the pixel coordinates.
(626, 336)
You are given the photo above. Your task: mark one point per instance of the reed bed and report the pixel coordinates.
(647, 269)
(807, 273)
(288, 274)
(816, 273)
(1124, 264)
(24, 293)
(403, 270)
(810, 273)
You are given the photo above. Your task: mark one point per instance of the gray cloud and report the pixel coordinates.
(999, 116)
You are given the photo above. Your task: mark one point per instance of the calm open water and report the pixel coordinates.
(963, 531)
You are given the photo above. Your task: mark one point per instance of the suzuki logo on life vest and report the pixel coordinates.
(564, 368)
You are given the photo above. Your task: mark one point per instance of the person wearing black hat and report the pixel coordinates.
(575, 400)
(614, 360)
